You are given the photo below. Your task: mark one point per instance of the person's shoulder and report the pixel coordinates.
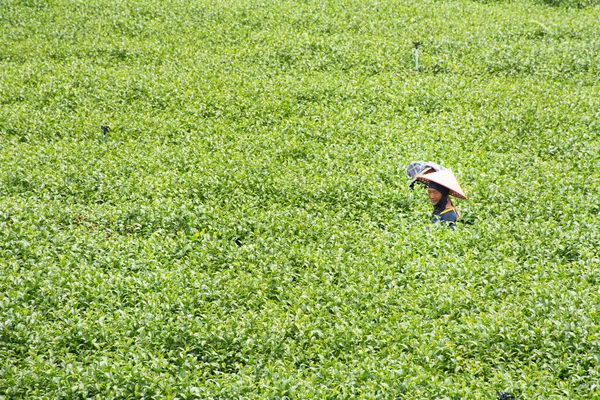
(449, 215)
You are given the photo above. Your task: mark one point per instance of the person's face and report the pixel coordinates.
(434, 196)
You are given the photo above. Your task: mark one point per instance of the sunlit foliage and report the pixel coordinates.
(244, 228)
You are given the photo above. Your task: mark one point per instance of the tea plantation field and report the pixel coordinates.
(243, 228)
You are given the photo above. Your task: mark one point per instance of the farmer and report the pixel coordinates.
(441, 184)
(443, 208)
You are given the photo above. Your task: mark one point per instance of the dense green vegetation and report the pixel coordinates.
(244, 228)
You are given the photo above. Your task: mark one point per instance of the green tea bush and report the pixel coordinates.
(244, 229)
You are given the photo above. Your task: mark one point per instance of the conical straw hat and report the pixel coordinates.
(445, 178)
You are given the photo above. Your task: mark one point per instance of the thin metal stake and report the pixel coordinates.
(105, 130)
(417, 44)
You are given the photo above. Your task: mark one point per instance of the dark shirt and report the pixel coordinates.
(448, 216)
